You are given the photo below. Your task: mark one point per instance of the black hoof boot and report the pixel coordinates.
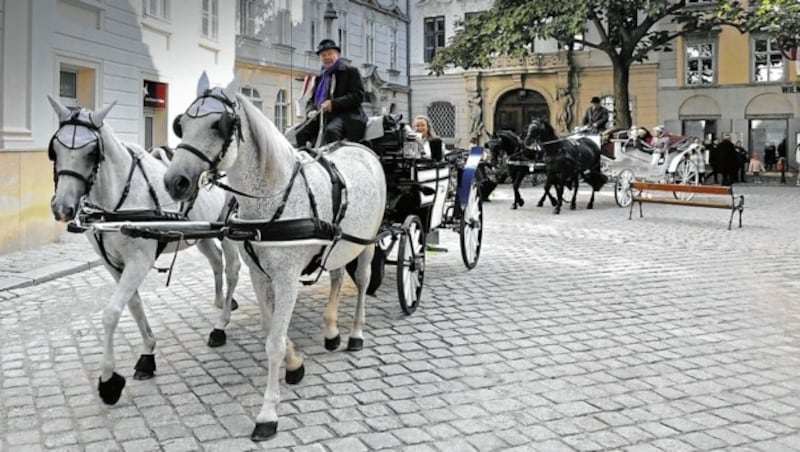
(514, 206)
(295, 376)
(264, 431)
(112, 389)
(521, 202)
(234, 304)
(355, 344)
(217, 338)
(540, 204)
(145, 367)
(333, 344)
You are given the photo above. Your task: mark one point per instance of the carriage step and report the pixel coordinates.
(435, 249)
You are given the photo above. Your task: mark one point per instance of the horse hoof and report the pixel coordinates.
(111, 390)
(355, 344)
(333, 344)
(513, 207)
(145, 367)
(234, 304)
(521, 202)
(264, 431)
(572, 207)
(539, 204)
(295, 376)
(217, 338)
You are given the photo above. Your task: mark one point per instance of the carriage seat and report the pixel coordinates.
(378, 126)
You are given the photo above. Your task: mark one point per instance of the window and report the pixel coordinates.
(609, 104)
(76, 85)
(700, 63)
(253, 96)
(315, 32)
(281, 110)
(767, 60)
(434, 36)
(283, 22)
(210, 25)
(68, 84)
(343, 32)
(369, 41)
(393, 50)
(156, 8)
(247, 18)
(706, 129)
(768, 138)
(443, 117)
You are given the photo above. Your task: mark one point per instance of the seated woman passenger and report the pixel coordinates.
(431, 144)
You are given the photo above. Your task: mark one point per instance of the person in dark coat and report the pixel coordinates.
(596, 116)
(744, 160)
(338, 93)
(714, 160)
(729, 160)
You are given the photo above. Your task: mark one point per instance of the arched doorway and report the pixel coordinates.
(515, 110)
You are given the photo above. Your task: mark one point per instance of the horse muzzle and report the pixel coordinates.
(63, 211)
(179, 185)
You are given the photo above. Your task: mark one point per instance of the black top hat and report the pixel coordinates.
(326, 44)
(595, 99)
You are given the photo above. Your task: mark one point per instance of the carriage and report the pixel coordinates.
(424, 195)
(625, 159)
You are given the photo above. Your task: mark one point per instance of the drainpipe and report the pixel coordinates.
(408, 57)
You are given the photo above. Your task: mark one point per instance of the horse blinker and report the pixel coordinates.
(176, 126)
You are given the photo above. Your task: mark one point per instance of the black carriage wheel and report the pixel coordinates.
(411, 264)
(470, 229)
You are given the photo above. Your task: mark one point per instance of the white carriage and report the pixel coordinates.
(625, 159)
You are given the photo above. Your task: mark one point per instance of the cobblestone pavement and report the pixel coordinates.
(584, 331)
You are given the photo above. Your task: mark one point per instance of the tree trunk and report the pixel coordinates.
(622, 72)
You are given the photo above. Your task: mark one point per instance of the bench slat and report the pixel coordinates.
(711, 204)
(704, 189)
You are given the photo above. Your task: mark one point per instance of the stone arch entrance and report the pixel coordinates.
(516, 108)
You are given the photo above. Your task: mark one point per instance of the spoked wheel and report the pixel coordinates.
(622, 188)
(411, 264)
(686, 173)
(470, 229)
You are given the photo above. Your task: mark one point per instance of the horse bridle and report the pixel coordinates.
(228, 125)
(74, 120)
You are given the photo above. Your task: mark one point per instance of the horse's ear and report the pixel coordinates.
(233, 87)
(202, 84)
(98, 116)
(62, 111)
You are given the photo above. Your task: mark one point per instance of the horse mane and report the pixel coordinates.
(263, 131)
(110, 138)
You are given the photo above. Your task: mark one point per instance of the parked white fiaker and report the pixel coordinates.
(624, 158)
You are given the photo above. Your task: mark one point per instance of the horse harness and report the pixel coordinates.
(91, 213)
(275, 229)
(281, 230)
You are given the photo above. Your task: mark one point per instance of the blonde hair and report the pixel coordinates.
(431, 132)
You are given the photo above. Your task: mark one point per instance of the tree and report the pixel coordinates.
(625, 30)
(775, 17)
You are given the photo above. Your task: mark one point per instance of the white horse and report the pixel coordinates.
(115, 180)
(223, 130)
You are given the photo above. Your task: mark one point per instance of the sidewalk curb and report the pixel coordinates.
(46, 273)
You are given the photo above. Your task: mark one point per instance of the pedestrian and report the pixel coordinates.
(769, 157)
(337, 94)
(797, 161)
(596, 116)
(714, 160)
(755, 167)
(743, 160)
(728, 160)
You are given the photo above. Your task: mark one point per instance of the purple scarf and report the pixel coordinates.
(321, 94)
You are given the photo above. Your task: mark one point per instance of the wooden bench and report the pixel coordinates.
(642, 193)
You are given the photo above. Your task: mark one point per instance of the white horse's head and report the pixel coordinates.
(208, 131)
(76, 150)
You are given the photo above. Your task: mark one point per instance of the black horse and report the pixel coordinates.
(568, 160)
(506, 147)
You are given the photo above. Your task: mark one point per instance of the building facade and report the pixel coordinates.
(463, 103)
(728, 82)
(145, 54)
(275, 51)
